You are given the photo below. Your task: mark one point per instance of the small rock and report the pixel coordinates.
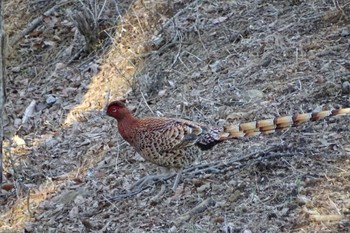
(79, 200)
(215, 66)
(17, 122)
(50, 99)
(203, 187)
(266, 61)
(158, 41)
(74, 212)
(196, 75)
(172, 229)
(302, 200)
(16, 69)
(234, 196)
(171, 83)
(252, 94)
(346, 87)
(233, 182)
(40, 106)
(161, 93)
(60, 66)
(345, 32)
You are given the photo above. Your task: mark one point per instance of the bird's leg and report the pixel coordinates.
(166, 173)
(178, 176)
(177, 179)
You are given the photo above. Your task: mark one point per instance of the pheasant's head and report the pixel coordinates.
(117, 109)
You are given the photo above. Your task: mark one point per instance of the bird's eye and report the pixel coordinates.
(114, 110)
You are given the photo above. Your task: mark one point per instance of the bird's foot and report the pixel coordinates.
(146, 180)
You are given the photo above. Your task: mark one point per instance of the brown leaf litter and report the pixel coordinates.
(215, 62)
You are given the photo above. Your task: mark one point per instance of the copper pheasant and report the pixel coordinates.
(176, 143)
(168, 142)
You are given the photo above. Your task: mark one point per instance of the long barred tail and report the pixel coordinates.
(279, 123)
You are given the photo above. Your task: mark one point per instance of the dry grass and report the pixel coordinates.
(215, 62)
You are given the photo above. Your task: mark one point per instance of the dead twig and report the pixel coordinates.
(203, 206)
(124, 195)
(144, 99)
(157, 197)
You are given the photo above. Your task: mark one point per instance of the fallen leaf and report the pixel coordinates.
(7, 187)
(219, 20)
(161, 93)
(50, 20)
(29, 111)
(19, 141)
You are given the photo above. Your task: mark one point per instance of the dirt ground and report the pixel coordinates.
(217, 62)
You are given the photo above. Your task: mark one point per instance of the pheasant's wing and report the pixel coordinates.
(168, 133)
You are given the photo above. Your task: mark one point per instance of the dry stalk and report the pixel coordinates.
(28, 204)
(144, 99)
(87, 21)
(203, 206)
(107, 100)
(14, 169)
(2, 84)
(87, 26)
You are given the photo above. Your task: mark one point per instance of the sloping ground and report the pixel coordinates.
(217, 62)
